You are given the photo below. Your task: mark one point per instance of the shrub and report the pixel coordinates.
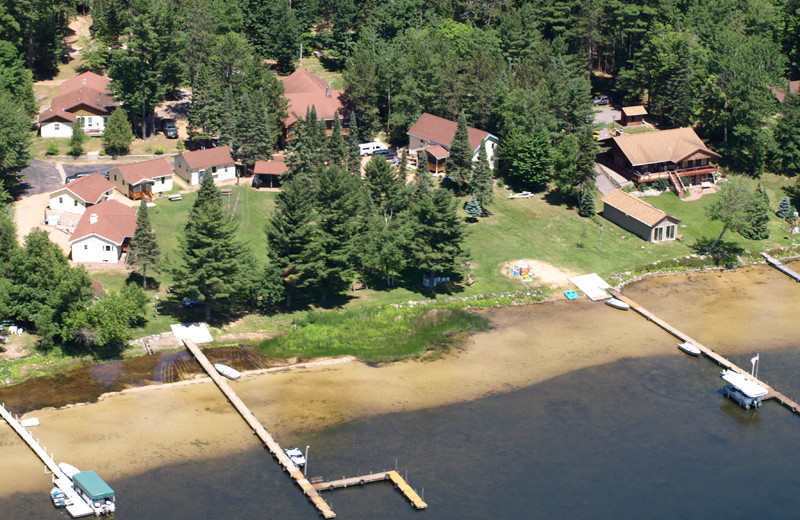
(159, 150)
(102, 152)
(179, 145)
(52, 148)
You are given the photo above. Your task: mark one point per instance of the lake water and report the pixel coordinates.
(640, 438)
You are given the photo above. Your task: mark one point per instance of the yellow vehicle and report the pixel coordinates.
(596, 135)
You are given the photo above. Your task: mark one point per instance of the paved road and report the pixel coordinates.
(603, 184)
(39, 177)
(71, 169)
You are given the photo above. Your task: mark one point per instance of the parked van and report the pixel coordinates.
(372, 147)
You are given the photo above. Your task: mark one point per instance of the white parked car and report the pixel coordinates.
(372, 147)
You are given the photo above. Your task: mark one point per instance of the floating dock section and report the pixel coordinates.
(399, 483)
(78, 506)
(774, 262)
(707, 352)
(274, 448)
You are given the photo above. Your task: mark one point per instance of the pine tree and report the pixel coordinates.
(786, 135)
(292, 237)
(308, 147)
(758, 215)
(118, 134)
(382, 245)
(77, 139)
(437, 233)
(473, 207)
(337, 151)
(402, 167)
(459, 164)
(482, 183)
(784, 208)
(339, 199)
(387, 189)
(210, 256)
(587, 205)
(144, 250)
(353, 151)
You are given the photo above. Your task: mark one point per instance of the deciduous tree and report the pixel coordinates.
(735, 206)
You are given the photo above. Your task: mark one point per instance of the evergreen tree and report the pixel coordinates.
(459, 164)
(787, 137)
(144, 250)
(118, 134)
(402, 167)
(437, 233)
(473, 207)
(382, 248)
(387, 189)
(209, 254)
(565, 166)
(336, 148)
(78, 138)
(587, 206)
(292, 238)
(784, 208)
(339, 200)
(353, 151)
(758, 217)
(482, 183)
(308, 148)
(15, 138)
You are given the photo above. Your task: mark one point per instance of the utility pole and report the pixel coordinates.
(600, 243)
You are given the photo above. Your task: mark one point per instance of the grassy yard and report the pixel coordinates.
(312, 65)
(39, 145)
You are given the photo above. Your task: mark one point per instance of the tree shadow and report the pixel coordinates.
(556, 198)
(725, 254)
(136, 278)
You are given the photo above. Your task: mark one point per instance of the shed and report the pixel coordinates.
(633, 116)
(639, 217)
(268, 173)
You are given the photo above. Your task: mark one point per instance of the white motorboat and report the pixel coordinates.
(297, 456)
(617, 304)
(689, 348)
(743, 390)
(225, 370)
(68, 469)
(59, 498)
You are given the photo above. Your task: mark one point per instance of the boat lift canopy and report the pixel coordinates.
(746, 386)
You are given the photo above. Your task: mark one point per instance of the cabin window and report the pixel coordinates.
(61, 200)
(75, 202)
(659, 234)
(55, 126)
(163, 180)
(105, 121)
(89, 122)
(107, 248)
(115, 176)
(670, 232)
(213, 169)
(85, 246)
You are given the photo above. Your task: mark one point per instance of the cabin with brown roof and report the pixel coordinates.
(103, 234)
(141, 180)
(86, 96)
(267, 174)
(80, 194)
(433, 135)
(303, 90)
(792, 87)
(633, 116)
(677, 155)
(639, 217)
(192, 166)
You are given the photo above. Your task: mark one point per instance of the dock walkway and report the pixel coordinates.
(707, 352)
(274, 448)
(394, 476)
(78, 507)
(777, 264)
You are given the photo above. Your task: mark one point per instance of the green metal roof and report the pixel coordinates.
(91, 483)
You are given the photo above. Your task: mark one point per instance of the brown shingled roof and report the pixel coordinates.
(135, 173)
(274, 166)
(793, 88)
(115, 222)
(304, 90)
(636, 208)
(441, 131)
(87, 79)
(637, 110)
(89, 188)
(84, 96)
(662, 146)
(199, 159)
(60, 114)
(438, 151)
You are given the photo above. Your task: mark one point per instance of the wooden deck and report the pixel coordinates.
(78, 506)
(774, 262)
(707, 352)
(398, 481)
(274, 448)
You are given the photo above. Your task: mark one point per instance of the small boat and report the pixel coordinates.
(68, 469)
(59, 498)
(617, 304)
(571, 295)
(225, 370)
(689, 348)
(297, 456)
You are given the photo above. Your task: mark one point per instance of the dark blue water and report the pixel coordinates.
(640, 438)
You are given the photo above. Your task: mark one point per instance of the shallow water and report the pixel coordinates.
(649, 437)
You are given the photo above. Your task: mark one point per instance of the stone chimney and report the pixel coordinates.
(93, 218)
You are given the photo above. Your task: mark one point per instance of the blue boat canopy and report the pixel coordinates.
(91, 483)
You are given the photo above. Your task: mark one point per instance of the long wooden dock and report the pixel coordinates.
(394, 476)
(78, 506)
(707, 352)
(777, 264)
(259, 430)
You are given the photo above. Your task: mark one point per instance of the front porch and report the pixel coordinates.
(141, 191)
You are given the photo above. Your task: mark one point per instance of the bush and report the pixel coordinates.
(52, 148)
(179, 145)
(102, 152)
(159, 150)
